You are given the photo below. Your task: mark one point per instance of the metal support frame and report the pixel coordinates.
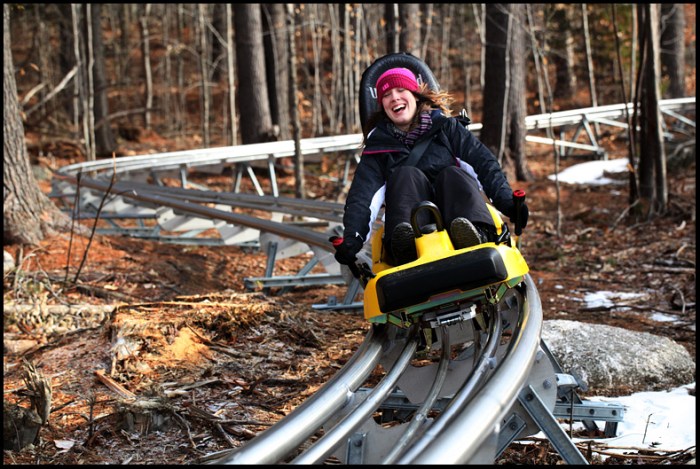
(271, 255)
(529, 399)
(348, 300)
(585, 126)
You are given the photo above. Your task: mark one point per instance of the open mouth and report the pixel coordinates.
(398, 108)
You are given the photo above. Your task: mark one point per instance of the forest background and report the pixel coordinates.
(95, 77)
(96, 74)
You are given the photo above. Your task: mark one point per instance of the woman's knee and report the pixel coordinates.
(454, 177)
(407, 172)
(408, 178)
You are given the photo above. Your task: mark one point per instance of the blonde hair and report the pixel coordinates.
(426, 100)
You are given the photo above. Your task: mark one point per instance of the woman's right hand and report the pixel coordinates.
(346, 249)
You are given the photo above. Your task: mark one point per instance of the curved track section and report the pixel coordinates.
(493, 380)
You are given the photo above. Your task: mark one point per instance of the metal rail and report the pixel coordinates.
(445, 443)
(460, 434)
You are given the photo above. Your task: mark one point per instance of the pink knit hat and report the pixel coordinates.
(396, 78)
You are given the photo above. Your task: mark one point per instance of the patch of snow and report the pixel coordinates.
(593, 172)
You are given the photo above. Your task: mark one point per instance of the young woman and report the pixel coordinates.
(451, 169)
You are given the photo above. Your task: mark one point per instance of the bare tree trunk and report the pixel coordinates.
(79, 98)
(467, 70)
(256, 124)
(356, 70)
(89, 106)
(28, 215)
(146, 50)
(517, 102)
(480, 18)
(348, 87)
(631, 148)
(652, 162)
(168, 111)
(410, 18)
(374, 30)
(536, 54)
(589, 55)
(427, 11)
(276, 65)
(124, 43)
(67, 59)
(589, 61)
(633, 47)
(336, 101)
(316, 39)
(563, 57)
(43, 49)
(445, 42)
(547, 96)
(497, 78)
(203, 48)
(300, 190)
(231, 73)
(218, 23)
(180, 65)
(105, 143)
(394, 27)
(673, 48)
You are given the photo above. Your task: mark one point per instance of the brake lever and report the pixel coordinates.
(362, 272)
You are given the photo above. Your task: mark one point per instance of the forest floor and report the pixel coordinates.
(217, 363)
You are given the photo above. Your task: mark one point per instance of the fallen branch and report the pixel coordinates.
(113, 385)
(653, 309)
(58, 309)
(58, 340)
(647, 454)
(672, 270)
(184, 389)
(102, 293)
(212, 419)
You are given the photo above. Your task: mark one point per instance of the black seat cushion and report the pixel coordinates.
(416, 285)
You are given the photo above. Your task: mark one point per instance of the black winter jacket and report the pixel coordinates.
(452, 144)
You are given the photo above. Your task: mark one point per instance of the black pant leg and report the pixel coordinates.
(406, 187)
(457, 195)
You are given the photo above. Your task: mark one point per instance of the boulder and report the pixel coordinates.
(607, 357)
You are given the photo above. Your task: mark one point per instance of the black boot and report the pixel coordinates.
(403, 244)
(464, 234)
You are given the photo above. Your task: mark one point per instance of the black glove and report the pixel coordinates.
(510, 212)
(524, 214)
(346, 251)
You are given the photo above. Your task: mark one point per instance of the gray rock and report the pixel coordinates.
(612, 357)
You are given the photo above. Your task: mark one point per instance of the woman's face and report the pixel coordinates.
(400, 105)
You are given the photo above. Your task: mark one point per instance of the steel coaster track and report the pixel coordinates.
(505, 391)
(493, 394)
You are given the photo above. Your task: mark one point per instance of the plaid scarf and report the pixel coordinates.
(409, 138)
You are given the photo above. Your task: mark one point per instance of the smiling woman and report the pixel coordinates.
(395, 90)
(415, 151)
